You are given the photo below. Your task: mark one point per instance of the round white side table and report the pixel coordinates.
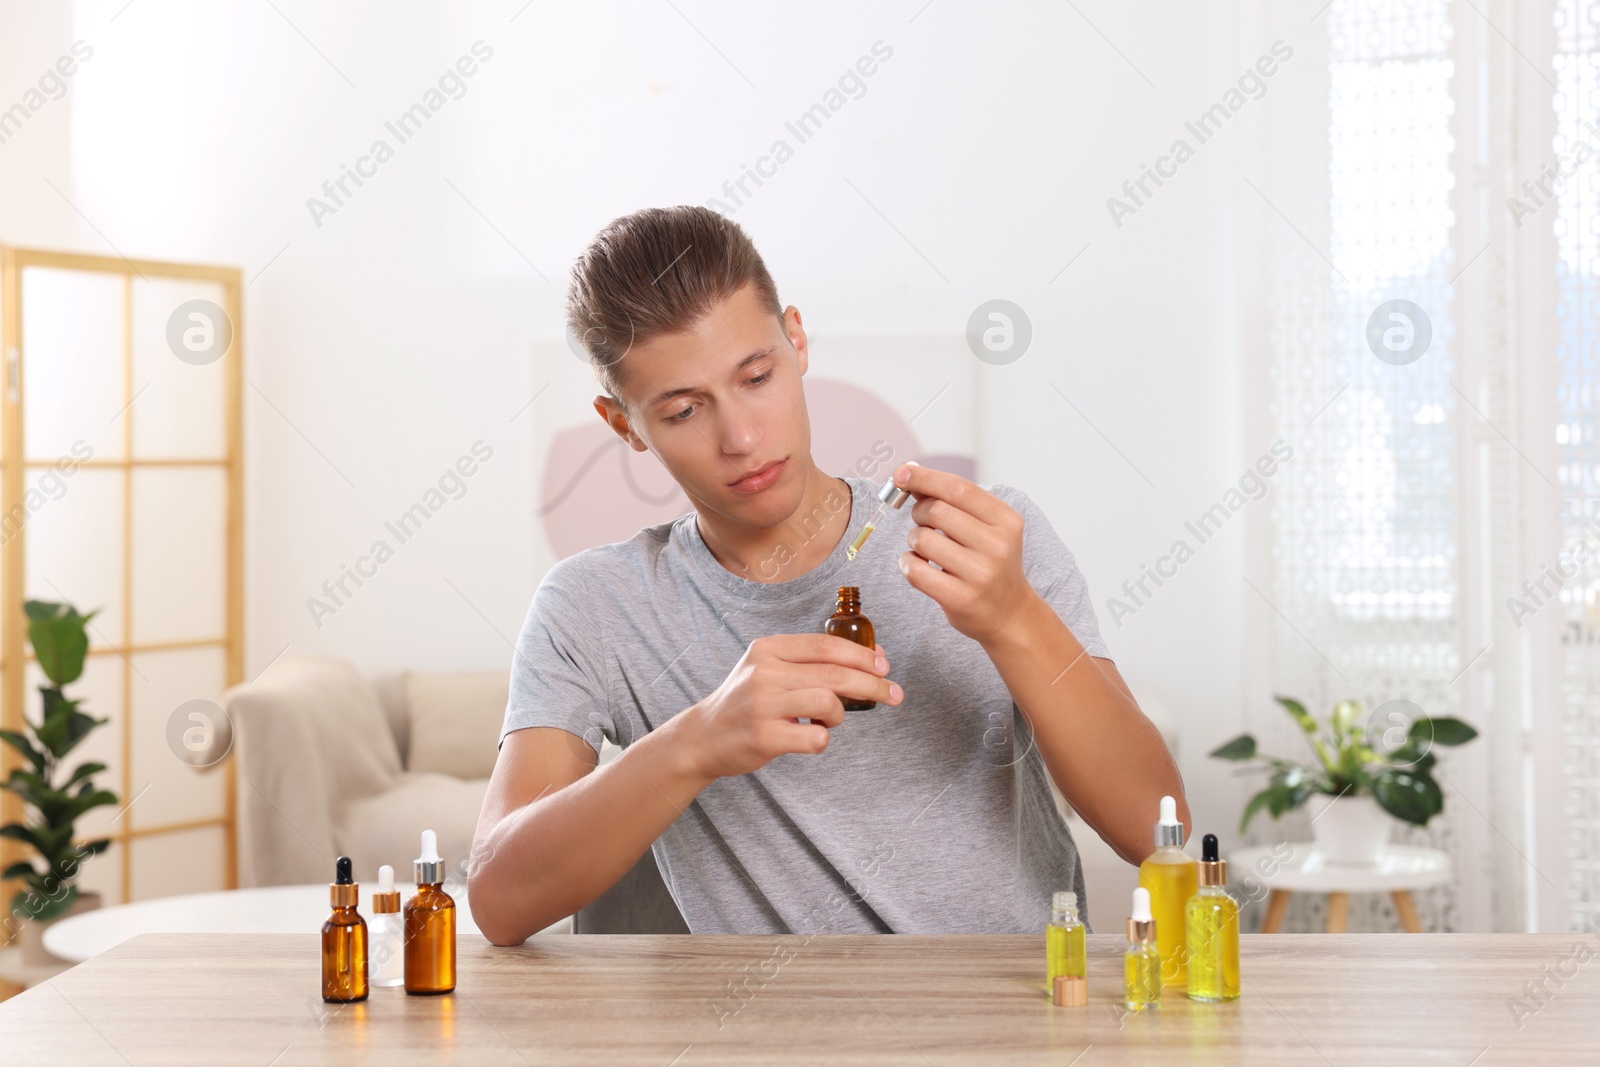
(292, 909)
(1402, 869)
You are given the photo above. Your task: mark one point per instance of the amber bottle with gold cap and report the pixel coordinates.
(344, 940)
(848, 622)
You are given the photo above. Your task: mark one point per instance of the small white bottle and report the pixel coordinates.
(386, 935)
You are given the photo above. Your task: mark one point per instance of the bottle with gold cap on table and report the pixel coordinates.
(344, 940)
(387, 948)
(1141, 963)
(1212, 931)
(1065, 955)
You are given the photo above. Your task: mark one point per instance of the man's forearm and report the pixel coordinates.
(1105, 756)
(554, 856)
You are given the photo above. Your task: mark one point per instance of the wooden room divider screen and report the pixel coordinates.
(120, 490)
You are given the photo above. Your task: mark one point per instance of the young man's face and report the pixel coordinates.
(719, 402)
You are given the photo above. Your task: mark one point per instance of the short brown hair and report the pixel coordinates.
(655, 272)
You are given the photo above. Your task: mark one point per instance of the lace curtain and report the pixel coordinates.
(1429, 348)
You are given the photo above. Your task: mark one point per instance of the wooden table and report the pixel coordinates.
(664, 1001)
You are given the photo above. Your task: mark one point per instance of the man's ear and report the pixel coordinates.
(796, 333)
(613, 415)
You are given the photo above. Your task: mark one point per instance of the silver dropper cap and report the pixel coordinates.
(429, 867)
(892, 494)
(1169, 831)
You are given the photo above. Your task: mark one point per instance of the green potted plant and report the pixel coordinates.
(1363, 774)
(54, 800)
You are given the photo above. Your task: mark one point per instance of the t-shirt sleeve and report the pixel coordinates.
(1053, 572)
(557, 675)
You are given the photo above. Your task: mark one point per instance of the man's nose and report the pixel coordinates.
(740, 430)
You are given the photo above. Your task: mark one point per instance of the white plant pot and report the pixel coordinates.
(31, 934)
(1349, 829)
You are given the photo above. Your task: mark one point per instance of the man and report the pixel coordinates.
(696, 646)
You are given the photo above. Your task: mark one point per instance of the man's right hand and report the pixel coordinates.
(752, 717)
(543, 861)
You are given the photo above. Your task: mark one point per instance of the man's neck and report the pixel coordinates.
(791, 548)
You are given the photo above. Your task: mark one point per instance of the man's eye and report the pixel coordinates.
(681, 416)
(760, 378)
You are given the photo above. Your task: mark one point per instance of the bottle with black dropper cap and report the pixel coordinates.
(344, 940)
(1211, 930)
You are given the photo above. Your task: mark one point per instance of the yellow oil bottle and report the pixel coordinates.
(1212, 931)
(1141, 962)
(1064, 944)
(1171, 877)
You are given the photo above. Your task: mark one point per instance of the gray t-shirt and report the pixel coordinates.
(934, 816)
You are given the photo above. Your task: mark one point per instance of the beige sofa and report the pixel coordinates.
(332, 762)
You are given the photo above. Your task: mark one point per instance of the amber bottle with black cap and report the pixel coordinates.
(848, 622)
(344, 940)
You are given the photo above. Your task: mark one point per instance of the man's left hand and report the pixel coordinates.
(977, 539)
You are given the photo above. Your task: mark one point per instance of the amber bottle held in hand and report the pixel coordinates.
(848, 622)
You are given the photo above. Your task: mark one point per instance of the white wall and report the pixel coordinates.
(383, 343)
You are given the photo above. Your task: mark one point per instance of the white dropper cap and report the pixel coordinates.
(1141, 925)
(385, 898)
(1169, 831)
(430, 865)
(1141, 905)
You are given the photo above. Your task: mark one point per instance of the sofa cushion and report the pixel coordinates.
(340, 716)
(455, 721)
(387, 827)
(390, 686)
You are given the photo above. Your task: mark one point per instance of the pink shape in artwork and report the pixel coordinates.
(598, 490)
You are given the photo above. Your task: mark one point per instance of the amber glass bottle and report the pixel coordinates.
(430, 922)
(848, 622)
(344, 940)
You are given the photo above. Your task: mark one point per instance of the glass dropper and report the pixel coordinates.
(892, 496)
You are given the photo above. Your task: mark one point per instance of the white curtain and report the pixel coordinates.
(1380, 199)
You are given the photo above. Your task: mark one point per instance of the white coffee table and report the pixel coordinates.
(1402, 869)
(264, 910)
